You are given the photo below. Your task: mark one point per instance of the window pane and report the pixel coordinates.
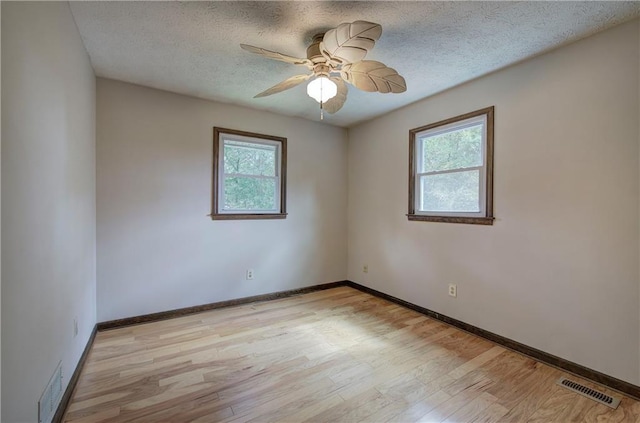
(249, 158)
(452, 150)
(246, 193)
(451, 192)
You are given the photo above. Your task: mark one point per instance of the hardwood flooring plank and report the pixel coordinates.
(96, 417)
(290, 403)
(313, 409)
(562, 406)
(493, 413)
(419, 409)
(336, 355)
(473, 409)
(476, 362)
(355, 409)
(456, 402)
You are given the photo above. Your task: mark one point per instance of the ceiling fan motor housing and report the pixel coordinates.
(313, 51)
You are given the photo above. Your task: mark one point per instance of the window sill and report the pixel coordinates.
(452, 219)
(247, 216)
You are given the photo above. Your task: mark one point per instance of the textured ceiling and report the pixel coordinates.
(193, 48)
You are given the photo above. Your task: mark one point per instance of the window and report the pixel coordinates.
(249, 175)
(451, 170)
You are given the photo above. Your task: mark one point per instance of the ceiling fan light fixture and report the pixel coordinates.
(322, 89)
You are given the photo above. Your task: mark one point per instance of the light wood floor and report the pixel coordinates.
(330, 356)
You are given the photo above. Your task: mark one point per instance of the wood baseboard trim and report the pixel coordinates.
(621, 386)
(163, 315)
(66, 397)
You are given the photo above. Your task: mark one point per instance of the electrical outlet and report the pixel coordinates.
(249, 274)
(453, 290)
(75, 327)
(365, 269)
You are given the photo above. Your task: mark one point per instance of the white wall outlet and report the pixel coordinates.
(453, 290)
(75, 326)
(249, 274)
(365, 268)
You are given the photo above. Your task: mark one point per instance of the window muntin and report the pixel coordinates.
(249, 175)
(451, 169)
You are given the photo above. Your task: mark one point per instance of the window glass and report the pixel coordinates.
(249, 159)
(244, 193)
(451, 150)
(451, 192)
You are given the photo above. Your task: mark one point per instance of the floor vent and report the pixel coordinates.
(50, 397)
(600, 397)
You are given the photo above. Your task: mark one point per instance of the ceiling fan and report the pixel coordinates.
(334, 58)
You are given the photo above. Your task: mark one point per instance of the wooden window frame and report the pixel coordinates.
(487, 218)
(215, 195)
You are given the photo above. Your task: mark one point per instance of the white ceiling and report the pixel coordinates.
(193, 48)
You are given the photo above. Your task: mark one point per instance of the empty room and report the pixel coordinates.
(322, 211)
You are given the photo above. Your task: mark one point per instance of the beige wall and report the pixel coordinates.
(48, 212)
(158, 250)
(559, 268)
(0, 225)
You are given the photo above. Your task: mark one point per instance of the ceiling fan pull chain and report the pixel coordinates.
(321, 102)
(321, 98)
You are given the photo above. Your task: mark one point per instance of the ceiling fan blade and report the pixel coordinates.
(284, 85)
(277, 56)
(350, 42)
(335, 103)
(370, 75)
